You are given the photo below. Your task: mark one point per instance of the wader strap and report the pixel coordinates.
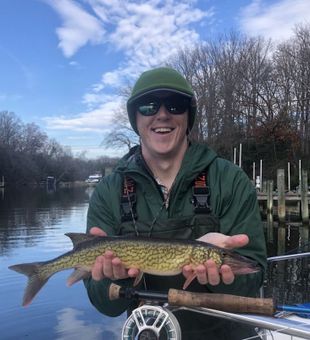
(201, 194)
(200, 199)
(128, 200)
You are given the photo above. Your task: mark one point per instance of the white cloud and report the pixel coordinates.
(276, 20)
(98, 119)
(149, 31)
(79, 27)
(111, 78)
(74, 64)
(146, 33)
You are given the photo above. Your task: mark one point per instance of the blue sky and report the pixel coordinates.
(64, 62)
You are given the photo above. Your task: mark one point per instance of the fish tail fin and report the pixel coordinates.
(36, 279)
(241, 265)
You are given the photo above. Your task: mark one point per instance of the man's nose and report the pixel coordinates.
(162, 111)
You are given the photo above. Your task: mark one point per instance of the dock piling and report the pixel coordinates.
(304, 196)
(281, 194)
(270, 197)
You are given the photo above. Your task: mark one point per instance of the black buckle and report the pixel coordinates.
(200, 200)
(128, 203)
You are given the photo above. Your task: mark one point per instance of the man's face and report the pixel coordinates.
(163, 133)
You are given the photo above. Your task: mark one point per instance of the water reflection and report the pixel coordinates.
(26, 215)
(69, 324)
(287, 281)
(72, 322)
(32, 227)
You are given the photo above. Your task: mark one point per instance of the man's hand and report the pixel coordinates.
(108, 265)
(209, 272)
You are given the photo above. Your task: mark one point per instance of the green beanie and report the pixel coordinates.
(160, 79)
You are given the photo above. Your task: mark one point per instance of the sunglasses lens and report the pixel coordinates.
(177, 104)
(148, 107)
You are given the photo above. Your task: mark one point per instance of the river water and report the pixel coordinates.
(32, 228)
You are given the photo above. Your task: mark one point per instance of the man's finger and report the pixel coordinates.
(133, 272)
(97, 274)
(228, 276)
(97, 231)
(213, 273)
(236, 241)
(187, 271)
(225, 241)
(119, 271)
(202, 275)
(107, 264)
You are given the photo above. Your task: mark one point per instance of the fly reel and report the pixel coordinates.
(151, 323)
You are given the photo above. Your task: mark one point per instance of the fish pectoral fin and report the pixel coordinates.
(138, 279)
(189, 280)
(77, 275)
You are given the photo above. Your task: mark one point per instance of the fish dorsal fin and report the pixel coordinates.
(78, 238)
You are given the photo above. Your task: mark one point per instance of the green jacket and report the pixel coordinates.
(234, 211)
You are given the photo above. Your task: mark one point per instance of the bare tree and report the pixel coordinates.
(10, 130)
(121, 134)
(293, 70)
(32, 139)
(214, 70)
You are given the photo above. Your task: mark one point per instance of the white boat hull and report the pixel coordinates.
(292, 327)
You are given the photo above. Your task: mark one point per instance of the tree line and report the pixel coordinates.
(252, 91)
(28, 156)
(249, 90)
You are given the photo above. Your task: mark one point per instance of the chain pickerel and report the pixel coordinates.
(150, 255)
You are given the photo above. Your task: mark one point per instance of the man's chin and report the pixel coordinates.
(164, 152)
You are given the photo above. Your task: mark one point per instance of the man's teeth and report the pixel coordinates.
(163, 130)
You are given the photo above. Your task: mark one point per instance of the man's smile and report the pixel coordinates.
(162, 130)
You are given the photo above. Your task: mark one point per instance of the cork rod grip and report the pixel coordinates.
(223, 302)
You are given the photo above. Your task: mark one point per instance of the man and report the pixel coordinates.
(158, 181)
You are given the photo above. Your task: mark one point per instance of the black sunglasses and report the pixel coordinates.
(149, 105)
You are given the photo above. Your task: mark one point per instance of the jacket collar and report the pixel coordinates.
(197, 158)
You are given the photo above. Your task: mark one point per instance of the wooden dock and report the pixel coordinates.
(284, 199)
(289, 197)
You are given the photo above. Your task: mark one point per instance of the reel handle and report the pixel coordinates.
(114, 292)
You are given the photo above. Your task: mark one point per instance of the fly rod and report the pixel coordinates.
(224, 302)
(293, 309)
(287, 257)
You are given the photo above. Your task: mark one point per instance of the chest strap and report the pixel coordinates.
(201, 194)
(200, 198)
(128, 200)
